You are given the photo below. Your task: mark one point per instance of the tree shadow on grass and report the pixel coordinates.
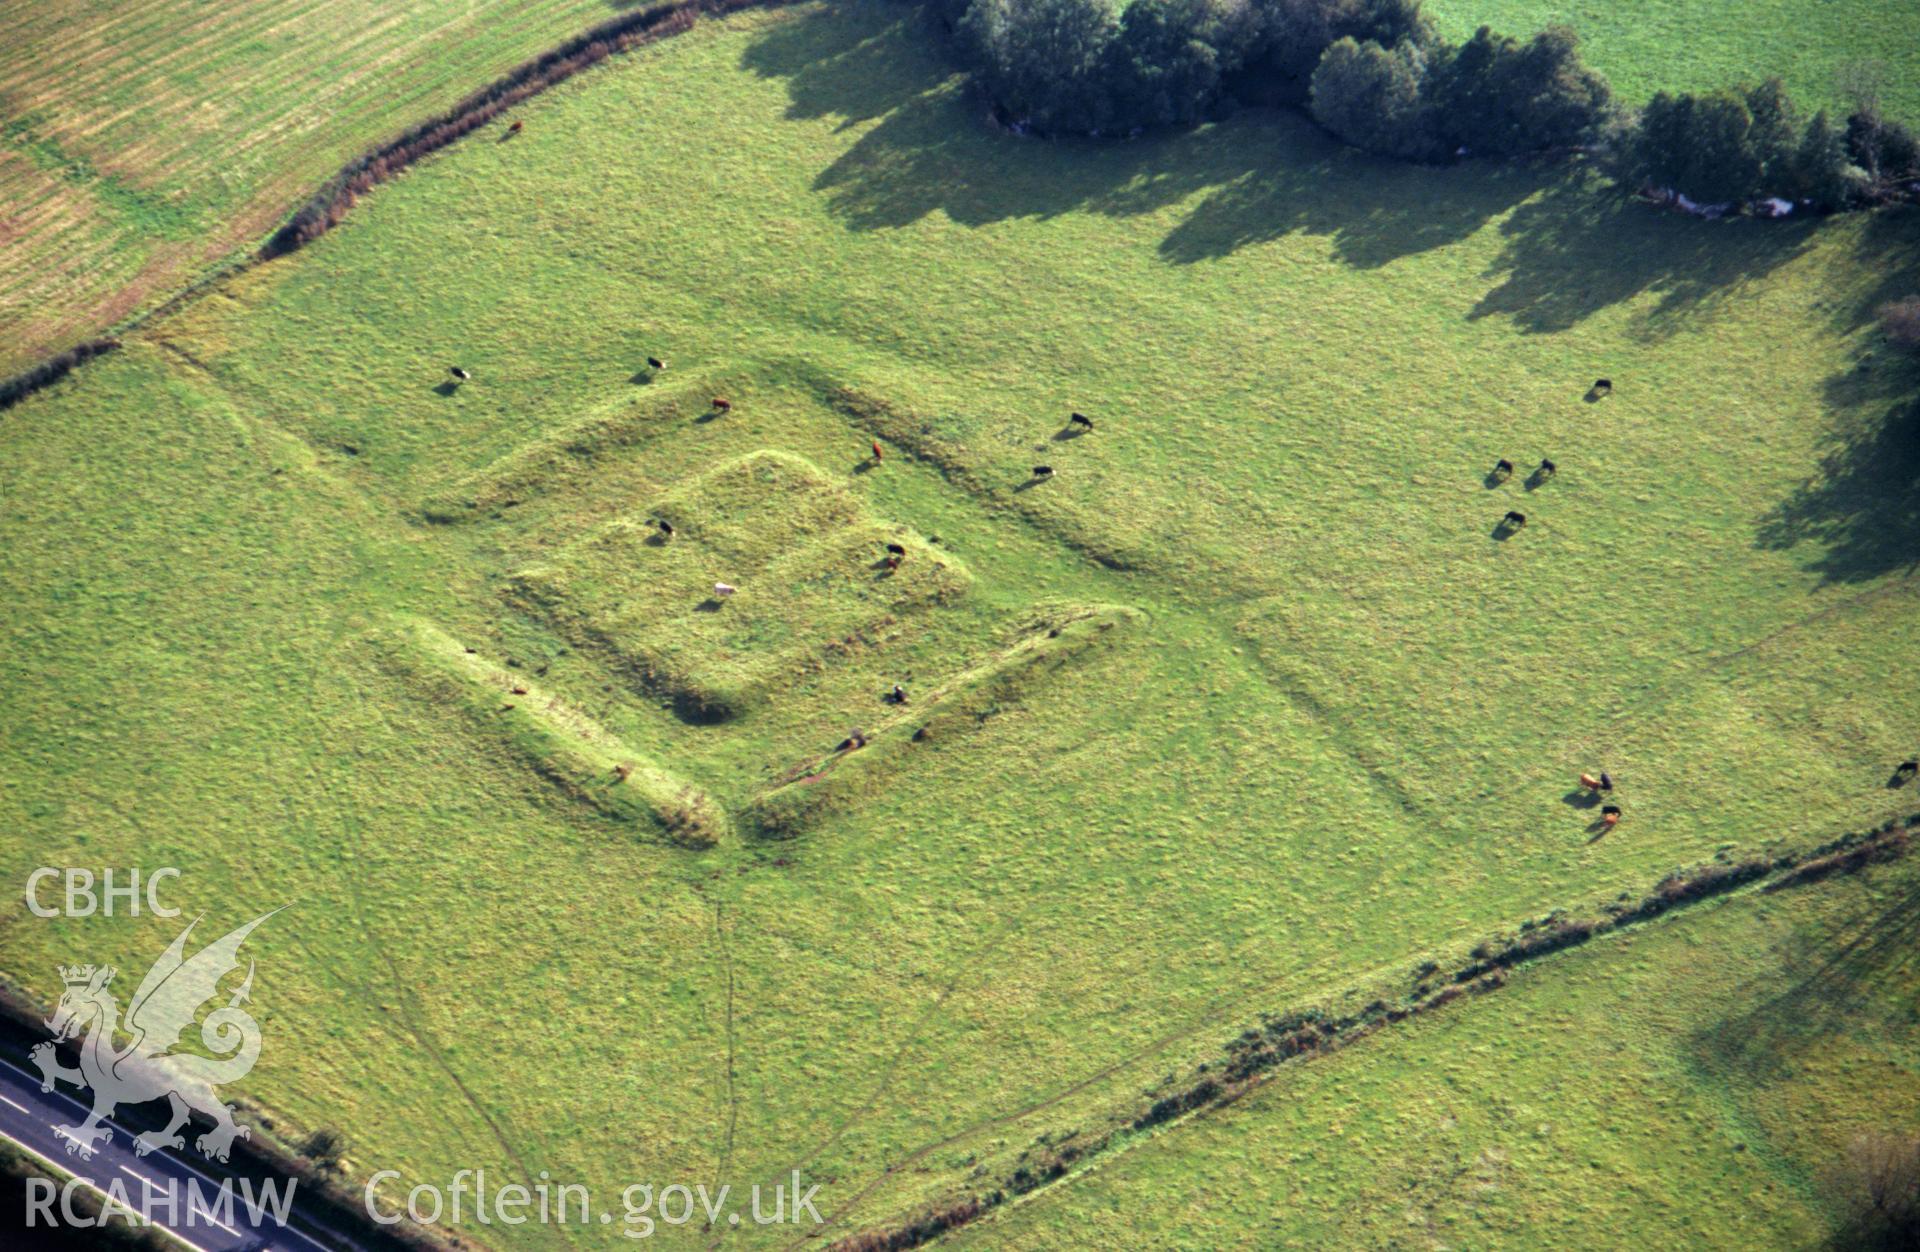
(1571, 245)
(1262, 174)
(1888, 247)
(1374, 210)
(1830, 981)
(1863, 505)
(1580, 247)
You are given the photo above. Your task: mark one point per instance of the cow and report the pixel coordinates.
(1906, 770)
(723, 590)
(666, 527)
(515, 128)
(722, 405)
(1502, 470)
(621, 772)
(1514, 520)
(878, 455)
(1081, 420)
(459, 375)
(898, 695)
(655, 363)
(1610, 815)
(1043, 471)
(855, 739)
(896, 549)
(1547, 468)
(519, 691)
(1601, 387)
(1602, 783)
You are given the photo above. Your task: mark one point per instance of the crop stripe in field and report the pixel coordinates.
(327, 207)
(1253, 1056)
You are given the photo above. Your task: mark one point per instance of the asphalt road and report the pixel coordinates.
(32, 1119)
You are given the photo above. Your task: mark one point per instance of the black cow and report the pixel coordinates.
(1503, 469)
(1547, 468)
(1043, 471)
(1081, 420)
(459, 374)
(654, 362)
(666, 527)
(1514, 520)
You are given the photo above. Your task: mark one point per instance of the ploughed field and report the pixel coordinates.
(1249, 703)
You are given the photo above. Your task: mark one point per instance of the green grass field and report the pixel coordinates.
(1695, 1085)
(1307, 718)
(1690, 45)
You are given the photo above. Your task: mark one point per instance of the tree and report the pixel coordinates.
(1044, 61)
(1884, 148)
(1700, 146)
(1465, 92)
(1372, 97)
(1294, 34)
(1170, 57)
(1879, 1185)
(1772, 135)
(1821, 172)
(1498, 97)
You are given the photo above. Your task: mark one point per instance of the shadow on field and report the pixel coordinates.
(1888, 246)
(1863, 505)
(1826, 982)
(1578, 248)
(1262, 174)
(1571, 247)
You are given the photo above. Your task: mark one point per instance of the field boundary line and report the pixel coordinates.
(1257, 1053)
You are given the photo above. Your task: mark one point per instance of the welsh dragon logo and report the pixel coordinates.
(163, 1008)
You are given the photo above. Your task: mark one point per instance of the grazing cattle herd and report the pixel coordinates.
(1080, 423)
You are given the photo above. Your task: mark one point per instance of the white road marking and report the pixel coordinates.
(280, 1231)
(204, 1212)
(23, 1108)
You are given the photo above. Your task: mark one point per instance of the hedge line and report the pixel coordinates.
(1302, 1035)
(51, 370)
